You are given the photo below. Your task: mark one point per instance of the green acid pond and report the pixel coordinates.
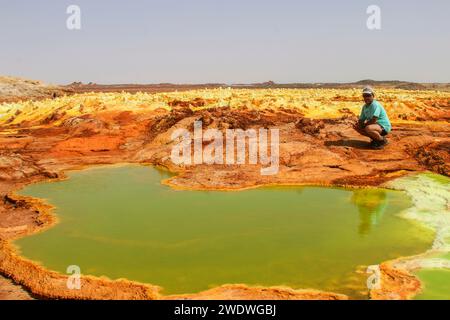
(121, 222)
(430, 194)
(436, 284)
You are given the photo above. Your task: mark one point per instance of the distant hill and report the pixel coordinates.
(15, 89)
(391, 84)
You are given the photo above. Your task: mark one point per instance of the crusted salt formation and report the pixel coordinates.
(430, 195)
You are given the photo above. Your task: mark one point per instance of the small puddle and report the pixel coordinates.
(121, 222)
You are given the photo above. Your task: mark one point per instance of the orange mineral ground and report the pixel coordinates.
(41, 139)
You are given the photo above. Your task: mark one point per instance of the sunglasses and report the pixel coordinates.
(367, 95)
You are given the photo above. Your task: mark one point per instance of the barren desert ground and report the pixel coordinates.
(45, 134)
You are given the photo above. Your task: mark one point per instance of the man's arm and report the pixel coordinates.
(371, 121)
(358, 124)
(361, 124)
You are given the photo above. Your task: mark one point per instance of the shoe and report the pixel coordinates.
(378, 145)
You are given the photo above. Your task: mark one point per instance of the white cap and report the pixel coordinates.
(368, 90)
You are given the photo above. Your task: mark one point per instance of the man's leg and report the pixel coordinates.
(374, 131)
(361, 131)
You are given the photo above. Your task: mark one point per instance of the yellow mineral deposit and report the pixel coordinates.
(42, 139)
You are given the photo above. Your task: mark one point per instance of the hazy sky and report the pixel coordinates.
(232, 41)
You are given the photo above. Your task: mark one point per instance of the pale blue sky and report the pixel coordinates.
(233, 41)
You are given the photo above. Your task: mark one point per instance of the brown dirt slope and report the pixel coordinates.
(41, 140)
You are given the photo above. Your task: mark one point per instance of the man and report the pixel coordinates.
(373, 121)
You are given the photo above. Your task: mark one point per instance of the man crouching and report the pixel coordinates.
(373, 121)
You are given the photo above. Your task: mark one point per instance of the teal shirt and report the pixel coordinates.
(375, 109)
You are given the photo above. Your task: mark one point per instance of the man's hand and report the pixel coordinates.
(372, 121)
(357, 125)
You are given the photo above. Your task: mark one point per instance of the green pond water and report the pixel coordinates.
(436, 284)
(121, 222)
(430, 194)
